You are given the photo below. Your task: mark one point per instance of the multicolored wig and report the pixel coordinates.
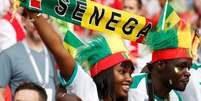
(169, 44)
(102, 53)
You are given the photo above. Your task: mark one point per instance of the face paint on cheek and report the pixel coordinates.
(176, 69)
(170, 82)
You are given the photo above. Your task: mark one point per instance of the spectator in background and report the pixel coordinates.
(117, 4)
(139, 53)
(11, 30)
(10, 33)
(197, 6)
(199, 25)
(4, 7)
(133, 6)
(155, 18)
(28, 61)
(30, 92)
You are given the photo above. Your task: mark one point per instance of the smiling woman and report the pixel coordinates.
(115, 82)
(109, 65)
(122, 74)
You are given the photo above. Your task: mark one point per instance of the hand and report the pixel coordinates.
(63, 96)
(31, 14)
(67, 97)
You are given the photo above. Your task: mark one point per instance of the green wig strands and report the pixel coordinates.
(91, 53)
(162, 39)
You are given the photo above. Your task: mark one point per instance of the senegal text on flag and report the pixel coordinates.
(93, 16)
(171, 18)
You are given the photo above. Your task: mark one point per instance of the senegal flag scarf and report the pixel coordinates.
(93, 16)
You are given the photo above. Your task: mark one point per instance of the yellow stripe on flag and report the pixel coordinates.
(172, 20)
(184, 35)
(114, 44)
(71, 50)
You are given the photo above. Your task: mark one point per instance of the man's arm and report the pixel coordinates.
(54, 43)
(2, 90)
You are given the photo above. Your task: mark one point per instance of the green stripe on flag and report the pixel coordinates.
(72, 40)
(49, 7)
(169, 11)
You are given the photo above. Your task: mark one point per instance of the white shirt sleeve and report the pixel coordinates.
(137, 95)
(82, 85)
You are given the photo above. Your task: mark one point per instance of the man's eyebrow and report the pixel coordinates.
(181, 63)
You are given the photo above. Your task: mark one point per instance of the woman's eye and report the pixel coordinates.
(121, 71)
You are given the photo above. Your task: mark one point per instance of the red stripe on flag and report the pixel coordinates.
(35, 4)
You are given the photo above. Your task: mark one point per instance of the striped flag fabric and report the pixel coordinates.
(72, 42)
(35, 4)
(171, 18)
(184, 34)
